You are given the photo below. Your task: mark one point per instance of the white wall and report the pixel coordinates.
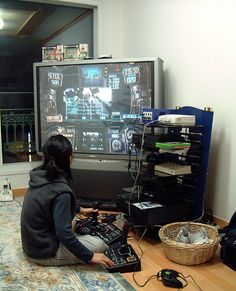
(108, 38)
(196, 40)
(81, 32)
(113, 27)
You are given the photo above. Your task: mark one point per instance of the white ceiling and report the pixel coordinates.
(29, 24)
(14, 20)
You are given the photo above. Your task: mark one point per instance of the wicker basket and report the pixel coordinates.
(188, 254)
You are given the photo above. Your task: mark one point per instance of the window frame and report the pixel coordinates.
(97, 5)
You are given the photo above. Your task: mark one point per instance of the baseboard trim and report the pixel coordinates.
(19, 192)
(220, 222)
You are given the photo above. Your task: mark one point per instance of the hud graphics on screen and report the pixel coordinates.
(96, 105)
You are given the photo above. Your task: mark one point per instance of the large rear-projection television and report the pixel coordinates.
(97, 105)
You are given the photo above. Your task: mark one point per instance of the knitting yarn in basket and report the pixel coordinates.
(188, 254)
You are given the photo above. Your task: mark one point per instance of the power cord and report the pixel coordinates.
(191, 277)
(169, 278)
(18, 201)
(135, 186)
(139, 246)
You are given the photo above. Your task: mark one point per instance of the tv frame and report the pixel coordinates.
(101, 177)
(157, 91)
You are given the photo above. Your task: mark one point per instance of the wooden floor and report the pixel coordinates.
(210, 276)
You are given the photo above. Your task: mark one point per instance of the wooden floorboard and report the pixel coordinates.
(210, 276)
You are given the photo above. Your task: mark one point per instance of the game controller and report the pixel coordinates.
(169, 278)
(108, 217)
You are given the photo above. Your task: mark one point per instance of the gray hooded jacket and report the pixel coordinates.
(40, 236)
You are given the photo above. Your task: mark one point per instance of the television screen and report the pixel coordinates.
(97, 104)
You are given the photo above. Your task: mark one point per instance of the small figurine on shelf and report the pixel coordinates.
(59, 53)
(83, 48)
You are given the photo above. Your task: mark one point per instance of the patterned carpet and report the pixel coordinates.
(16, 273)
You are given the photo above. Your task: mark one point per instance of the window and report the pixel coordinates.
(20, 46)
(18, 136)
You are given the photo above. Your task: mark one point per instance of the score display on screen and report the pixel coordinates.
(96, 105)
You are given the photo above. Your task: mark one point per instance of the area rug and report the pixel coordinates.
(16, 273)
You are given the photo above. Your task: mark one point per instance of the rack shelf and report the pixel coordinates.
(180, 189)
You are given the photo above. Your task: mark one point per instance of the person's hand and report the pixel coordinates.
(87, 211)
(100, 258)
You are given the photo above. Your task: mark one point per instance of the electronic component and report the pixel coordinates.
(105, 56)
(173, 168)
(6, 193)
(124, 258)
(169, 278)
(108, 232)
(108, 218)
(177, 119)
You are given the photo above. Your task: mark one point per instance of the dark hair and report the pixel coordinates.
(57, 152)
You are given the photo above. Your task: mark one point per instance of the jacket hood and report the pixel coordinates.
(38, 178)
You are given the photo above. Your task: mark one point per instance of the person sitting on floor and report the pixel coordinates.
(48, 210)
